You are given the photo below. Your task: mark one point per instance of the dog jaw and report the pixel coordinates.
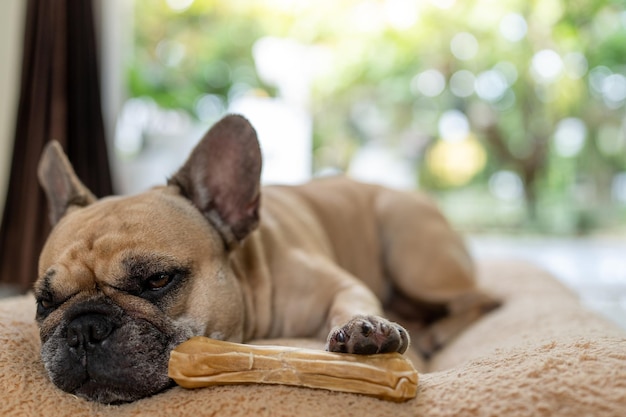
(129, 361)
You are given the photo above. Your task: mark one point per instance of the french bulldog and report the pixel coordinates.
(125, 279)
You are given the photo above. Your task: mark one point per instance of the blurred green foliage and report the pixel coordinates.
(540, 83)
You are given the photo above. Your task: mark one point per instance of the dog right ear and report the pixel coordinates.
(58, 179)
(222, 178)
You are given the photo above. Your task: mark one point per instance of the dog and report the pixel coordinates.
(125, 279)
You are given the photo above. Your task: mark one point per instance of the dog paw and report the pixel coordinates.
(367, 335)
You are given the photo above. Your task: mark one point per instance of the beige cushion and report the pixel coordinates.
(542, 353)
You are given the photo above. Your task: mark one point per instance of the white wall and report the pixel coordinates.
(114, 28)
(12, 14)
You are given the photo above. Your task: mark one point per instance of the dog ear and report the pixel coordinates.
(222, 178)
(59, 181)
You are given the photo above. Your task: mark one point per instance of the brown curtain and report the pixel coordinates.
(59, 99)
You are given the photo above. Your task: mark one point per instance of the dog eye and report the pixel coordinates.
(158, 281)
(153, 287)
(45, 306)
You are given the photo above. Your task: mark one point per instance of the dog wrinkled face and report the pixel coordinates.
(123, 280)
(116, 294)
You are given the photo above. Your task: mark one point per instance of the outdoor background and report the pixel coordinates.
(510, 112)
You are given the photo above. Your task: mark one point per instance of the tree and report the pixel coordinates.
(541, 84)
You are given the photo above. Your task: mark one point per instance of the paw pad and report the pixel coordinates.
(368, 335)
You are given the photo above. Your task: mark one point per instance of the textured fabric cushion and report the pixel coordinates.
(542, 353)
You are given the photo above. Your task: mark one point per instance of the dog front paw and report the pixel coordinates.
(367, 335)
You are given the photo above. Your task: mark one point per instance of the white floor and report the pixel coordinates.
(594, 267)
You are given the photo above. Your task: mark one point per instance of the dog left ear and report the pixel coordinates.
(222, 178)
(58, 179)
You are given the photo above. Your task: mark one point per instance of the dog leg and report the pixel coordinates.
(340, 307)
(429, 265)
(357, 325)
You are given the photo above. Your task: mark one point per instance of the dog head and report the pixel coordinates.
(123, 280)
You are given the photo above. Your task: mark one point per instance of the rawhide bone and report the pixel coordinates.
(201, 362)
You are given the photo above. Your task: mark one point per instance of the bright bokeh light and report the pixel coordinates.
(609, 86)
(513, 27)
(430, 83)
(209, 108)
(382, 165)
(506, 185)
(614, 90)
(453, 126)
(179, 5)
(462, 83)
(456, 163)
(464, 46)
(491, 85)
(284, 133)
(367, 17)
(569, 137)
(546, 66)
(401, 14)
(443, 4)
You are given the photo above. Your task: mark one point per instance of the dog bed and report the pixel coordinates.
(540, 354)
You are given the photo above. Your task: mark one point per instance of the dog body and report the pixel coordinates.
(123, 280)
(334, 248)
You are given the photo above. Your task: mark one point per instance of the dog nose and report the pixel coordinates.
(89, 330)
